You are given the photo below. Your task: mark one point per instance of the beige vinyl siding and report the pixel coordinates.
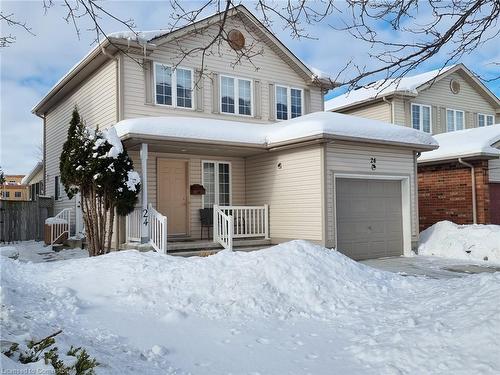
(96, 102)
(271, 70)
(355, 158)
(195, 177)
(440, 97)
(494, 170)
(378, 111)
(294, 192)
(399, 112)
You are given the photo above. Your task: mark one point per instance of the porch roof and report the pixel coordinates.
(319, 125)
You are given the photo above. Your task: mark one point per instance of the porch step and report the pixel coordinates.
(191, 248)
(209, 245)
(202, 253)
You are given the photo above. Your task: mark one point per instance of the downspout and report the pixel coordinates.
(391, 104)
(44, 118)
(473, 179)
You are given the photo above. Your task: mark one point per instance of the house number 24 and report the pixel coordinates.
(373, 163)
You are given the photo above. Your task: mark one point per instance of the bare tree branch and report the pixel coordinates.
(8, 39)
(400, 34)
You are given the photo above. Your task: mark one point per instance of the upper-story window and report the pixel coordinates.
(236, 96)
(289, 102)
(166, 78)
(454, 120)
(421, 117)
(485, 120)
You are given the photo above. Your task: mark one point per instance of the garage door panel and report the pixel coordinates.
(369, 218)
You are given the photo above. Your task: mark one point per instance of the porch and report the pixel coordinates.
(233, 228)
(193, 199)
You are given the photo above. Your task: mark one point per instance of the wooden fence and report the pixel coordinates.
(24, 220)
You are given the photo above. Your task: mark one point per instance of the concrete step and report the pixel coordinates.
(195, 247)
(210, 245)
(204, 253)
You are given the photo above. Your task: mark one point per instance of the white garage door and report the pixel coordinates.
(369, 218)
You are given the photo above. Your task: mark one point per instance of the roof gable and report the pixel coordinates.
(407, 86)
(310, 75)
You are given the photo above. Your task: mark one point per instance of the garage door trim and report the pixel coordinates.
(405, 203)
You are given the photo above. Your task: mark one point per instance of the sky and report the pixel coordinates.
(34, 63)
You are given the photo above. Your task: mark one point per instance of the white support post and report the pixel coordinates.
(266, 221)
(215, 225)
(144, 187)
(230, 232)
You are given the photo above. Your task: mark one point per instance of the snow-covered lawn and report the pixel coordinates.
(470, 242)
(296, 308)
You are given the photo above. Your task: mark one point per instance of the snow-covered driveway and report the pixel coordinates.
(296, 308)
(433, 267)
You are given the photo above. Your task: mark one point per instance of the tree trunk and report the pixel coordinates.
(111, 225)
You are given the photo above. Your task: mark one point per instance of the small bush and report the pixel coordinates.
(84, 364)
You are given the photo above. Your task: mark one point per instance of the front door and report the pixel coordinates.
(172, 194)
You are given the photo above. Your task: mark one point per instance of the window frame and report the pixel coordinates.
(174, 86)
(485, 119)
(455, 119)
(236, 96)
(18, 194)
(421, 122)
(288, 101)
(216, 181)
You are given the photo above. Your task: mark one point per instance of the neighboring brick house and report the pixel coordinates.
(461, 180)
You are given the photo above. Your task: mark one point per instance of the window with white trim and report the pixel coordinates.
(454, 120)
(166, 78)
(236, 96)
(216, 179)
(421, 117)
(289, 102)
(485, 120)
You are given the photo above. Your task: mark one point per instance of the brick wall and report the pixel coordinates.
(445, 193)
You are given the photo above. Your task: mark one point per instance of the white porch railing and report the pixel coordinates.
(249, 221)
(60, 224)
(240, 222)
(223, 228)
(133, 225)
(157, 230)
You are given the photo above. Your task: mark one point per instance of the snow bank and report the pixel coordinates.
(317, 124)
(292, 308)
(449, 240)
(9, 252)
(463, 143)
